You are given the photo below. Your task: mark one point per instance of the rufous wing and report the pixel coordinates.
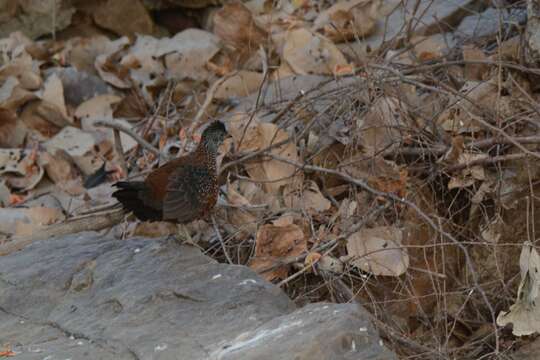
(186, 193)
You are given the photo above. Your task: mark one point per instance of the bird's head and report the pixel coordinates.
(213, 135)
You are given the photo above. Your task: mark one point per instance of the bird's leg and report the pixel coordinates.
(182, 235)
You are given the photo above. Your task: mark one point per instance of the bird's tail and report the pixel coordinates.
(129, 195)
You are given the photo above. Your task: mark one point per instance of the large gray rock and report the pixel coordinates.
(91, 297)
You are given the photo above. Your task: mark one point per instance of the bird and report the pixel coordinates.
(180, 191)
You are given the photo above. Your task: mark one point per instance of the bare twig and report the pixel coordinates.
(478, 144)
(253, 155)
(216, 229)
(254, 111)
(288, 107)
(167, 93)
(243, 207)
(120, 127)
(120, 151)
(209, 97)
(485, 161)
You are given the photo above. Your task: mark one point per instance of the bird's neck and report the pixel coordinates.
(208, 153)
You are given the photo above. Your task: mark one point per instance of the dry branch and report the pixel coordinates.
(220, 238)
(478, 144)
(486, 161)
(208, 99)
(120, 151)
(120, 127)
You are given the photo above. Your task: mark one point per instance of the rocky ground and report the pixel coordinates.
(88, 296)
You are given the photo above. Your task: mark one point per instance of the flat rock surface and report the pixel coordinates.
(91, 297)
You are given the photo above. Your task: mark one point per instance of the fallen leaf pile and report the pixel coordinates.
(382, 151)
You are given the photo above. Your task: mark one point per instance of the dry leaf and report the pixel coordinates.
(395, 185)
(330, 263)
(20, 169)
(12, 131)
(82, 52)
(97, 108)
(62, 171)
(384, 174)
(13, 96)
(124, 17)
(80, 147)
(313, 200)
(461, 117)
(52, 113)
(509, 49)
(378, 251)
(27, 221)
(346, 20)
(101, 108)
(243, 219)
(525, 313)
(285, 220)
(53, 93)
(234, 24)
(474, 71)
(130, 107)
(242, 84)
(470, 174)
(379, 129)
(25, 70)
(108, 67)
(492, 231)
(310, 199)
(185, 55)
(74, 141)
(308, 53)
(347, 208)
(273, 173)
(12, 45)
(455, 151)
(252, 192)
(426, 48)
(274, 243)
(39, 127)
